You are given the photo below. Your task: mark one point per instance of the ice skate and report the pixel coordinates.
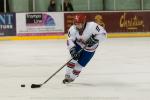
(67, 79)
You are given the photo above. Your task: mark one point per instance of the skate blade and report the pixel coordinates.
(64, 82)
(67, 81)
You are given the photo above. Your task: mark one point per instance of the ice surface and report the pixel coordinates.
(120, 70)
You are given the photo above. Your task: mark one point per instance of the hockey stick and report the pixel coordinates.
(39, 85)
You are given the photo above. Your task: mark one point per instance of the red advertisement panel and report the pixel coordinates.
(116, 21)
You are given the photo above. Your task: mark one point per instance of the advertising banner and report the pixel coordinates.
(116, 21)
(7, 24)
(44, 23)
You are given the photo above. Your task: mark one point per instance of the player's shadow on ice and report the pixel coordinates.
(82, 84)
(102, 84)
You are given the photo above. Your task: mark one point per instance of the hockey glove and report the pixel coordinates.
(74, 54)
(91, 41)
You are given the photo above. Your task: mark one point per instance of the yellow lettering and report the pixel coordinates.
(130, 23)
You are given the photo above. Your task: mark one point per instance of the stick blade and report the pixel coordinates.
(36, 85)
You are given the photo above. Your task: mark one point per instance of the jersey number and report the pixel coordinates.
(97, 28)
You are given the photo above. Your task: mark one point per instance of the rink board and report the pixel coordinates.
(114, 35)
(121, 35)
(31, 37)
(53, 25)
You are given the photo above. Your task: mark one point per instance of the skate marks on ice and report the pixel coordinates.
(81, 84)
(76, 98)
(126, 79)
(102, 84)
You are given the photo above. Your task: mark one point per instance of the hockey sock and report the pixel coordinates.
(76, 71)
(70, 67)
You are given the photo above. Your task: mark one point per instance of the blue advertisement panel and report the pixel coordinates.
(7, 24)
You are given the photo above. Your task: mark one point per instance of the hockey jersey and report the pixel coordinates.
(74, 37)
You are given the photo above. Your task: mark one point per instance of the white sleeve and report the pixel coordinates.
(71, 37)
(101, 34)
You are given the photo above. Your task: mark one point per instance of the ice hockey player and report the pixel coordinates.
(82, 35)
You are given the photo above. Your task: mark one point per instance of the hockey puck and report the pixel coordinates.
(22, 85)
